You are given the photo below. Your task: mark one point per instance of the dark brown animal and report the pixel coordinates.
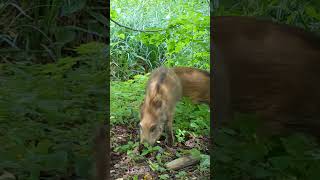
(267, 68)
(162, 93)
(195, 84)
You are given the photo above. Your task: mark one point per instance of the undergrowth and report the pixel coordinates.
(240, 154)
(48, 114)
(43, 31)
(304, 14)
(183, 39)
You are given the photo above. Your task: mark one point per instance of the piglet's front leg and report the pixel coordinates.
(170, 136)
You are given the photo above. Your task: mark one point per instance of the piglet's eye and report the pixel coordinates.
(152, 128)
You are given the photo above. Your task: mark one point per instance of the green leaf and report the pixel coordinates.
(164, 176)
(311, 11)
(91, 48)
(195, 153)
(205, 161)
(122, 36)
(113, 14)
(135, 177)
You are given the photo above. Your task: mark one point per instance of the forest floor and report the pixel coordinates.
(124, 166)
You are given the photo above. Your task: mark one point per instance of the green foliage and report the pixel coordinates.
(304, 14)
(125, 99)
(192, 118)
(150, 149)
(181, 175)
(155, 166)
(124, 148)
(49, 113)
(180, 134)
(241, 154)
(164, 176)
(205, 162)
(42, 31)
(184, 39)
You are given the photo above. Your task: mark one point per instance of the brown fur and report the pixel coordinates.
(270, 69)
(185, 81)
(162, 93)
(195, 84)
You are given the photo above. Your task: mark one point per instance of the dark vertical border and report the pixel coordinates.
(108, 93)
(102, 137)
(212, 65)
(106, 126)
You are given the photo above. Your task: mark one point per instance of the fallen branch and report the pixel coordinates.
(183, 162)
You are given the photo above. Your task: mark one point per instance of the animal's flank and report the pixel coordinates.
(270, 69)
(195, 83)
(206, 73)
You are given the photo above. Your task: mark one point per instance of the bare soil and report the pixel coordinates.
(124, 167)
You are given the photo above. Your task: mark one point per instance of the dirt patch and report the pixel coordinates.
(122, 166)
